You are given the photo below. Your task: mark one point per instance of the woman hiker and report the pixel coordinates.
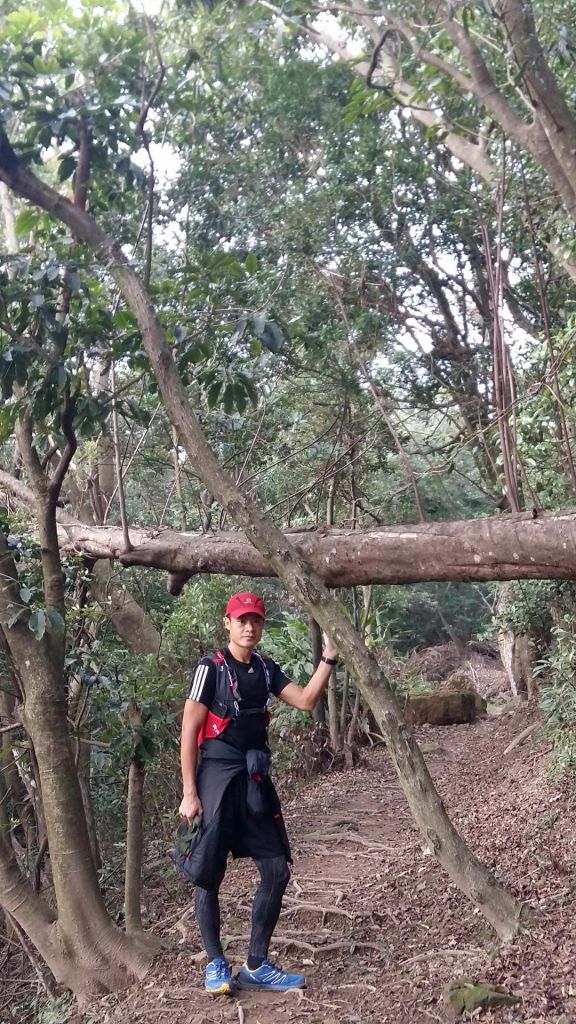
(228, 793)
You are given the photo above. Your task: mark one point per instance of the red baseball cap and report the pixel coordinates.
(245, 604)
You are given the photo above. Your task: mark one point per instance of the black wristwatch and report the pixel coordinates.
(329, 661)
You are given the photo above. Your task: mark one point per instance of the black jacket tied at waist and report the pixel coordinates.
(222, 767)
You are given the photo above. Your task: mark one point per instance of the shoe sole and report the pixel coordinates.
(226, 989)
(252, 986)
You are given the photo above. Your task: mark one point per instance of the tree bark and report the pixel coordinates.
(130, 621)
(134, 846)
(333, 716)
(526, 545)
(516, 655)
(79, 942)
(496, 903)
(507, 547)
(84, 768)
(319, 712)
(84, 927)
(16, 794)
(86, 953)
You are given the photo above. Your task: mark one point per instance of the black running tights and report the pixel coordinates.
(274, 877)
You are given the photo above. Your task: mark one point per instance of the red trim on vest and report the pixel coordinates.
(213, 726)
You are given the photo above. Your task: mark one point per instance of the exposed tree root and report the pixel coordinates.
(289, 940)
(299, 905)
(521, 737)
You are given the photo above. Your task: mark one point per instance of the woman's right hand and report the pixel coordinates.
(190, 808)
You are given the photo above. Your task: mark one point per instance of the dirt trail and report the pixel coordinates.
(370, 915)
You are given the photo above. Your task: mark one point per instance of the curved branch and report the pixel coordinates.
(82, 177)
(55, 485)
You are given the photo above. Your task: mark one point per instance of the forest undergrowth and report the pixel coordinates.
(370, 914)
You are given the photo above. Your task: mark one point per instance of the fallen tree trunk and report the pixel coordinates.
(507, 547)
(496, 548)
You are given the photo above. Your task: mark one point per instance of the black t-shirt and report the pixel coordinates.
(247, 732)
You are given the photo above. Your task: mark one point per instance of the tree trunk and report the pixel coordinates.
(516, 654)
(78, 941)
(84, 768)
(134, 847)
(130, 621)
(344, 703)
(508, 547)
(96, 956)
(496, 903)
(333, 716)
(89, 958)
(525, 660)
(353, 726)
(16, 792)
(319, 712)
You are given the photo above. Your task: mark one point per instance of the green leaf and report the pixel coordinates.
(15, 616)
(37, 623)
(213, 392)
(269, 333)
(239, 332)
(229, 398)
(8, 416)
(26, 221)
(251, 263)
(25, 594)
(72, 281)
(240, 396)
(195, 353)
(144, 749)
(61, 376)
(250, 390)
(57, 624)
(66, 168)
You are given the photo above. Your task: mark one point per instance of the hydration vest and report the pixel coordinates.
(225, 707)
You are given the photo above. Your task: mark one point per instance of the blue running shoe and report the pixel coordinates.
(219, 977)
(269, 977)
